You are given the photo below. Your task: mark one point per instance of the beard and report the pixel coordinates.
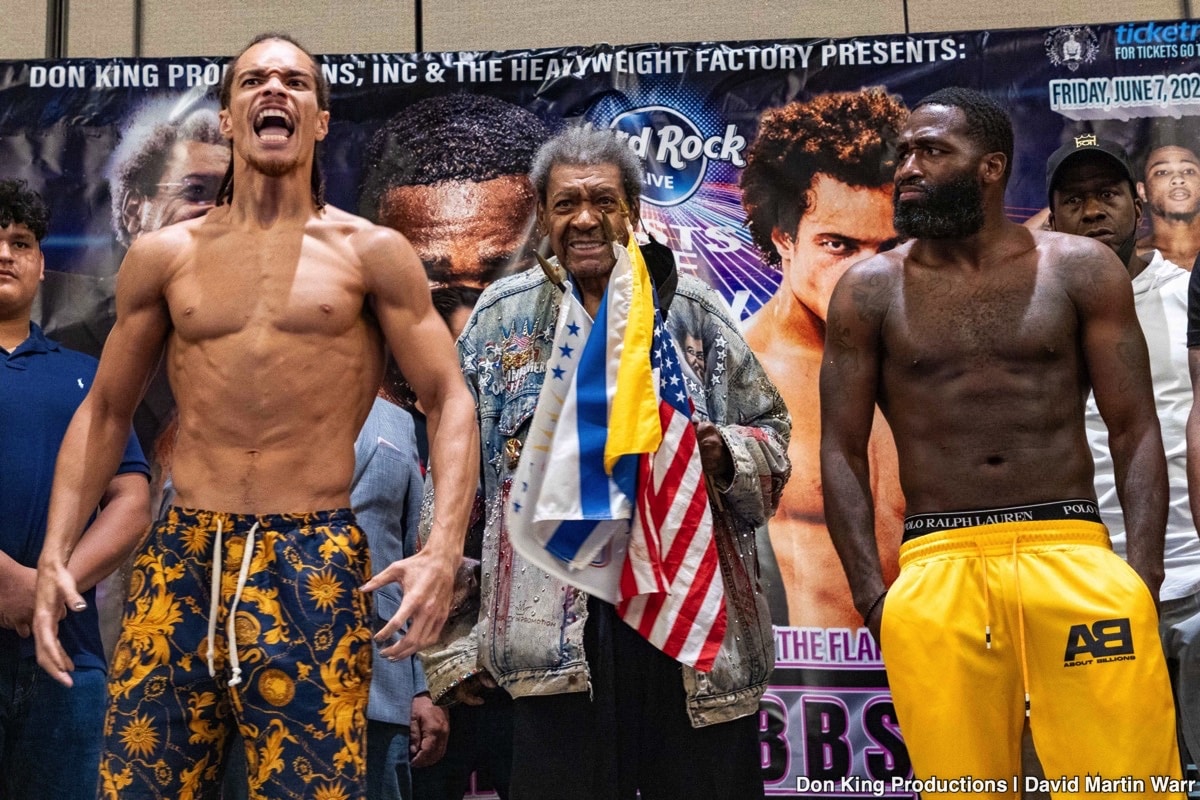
(272, 167)
(951, 210)
(1185, 217)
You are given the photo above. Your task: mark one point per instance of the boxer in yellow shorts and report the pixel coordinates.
(980, 340)
(291, 670)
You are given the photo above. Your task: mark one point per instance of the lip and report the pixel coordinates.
(1099, 233)
(1179, 194)
(909, 193)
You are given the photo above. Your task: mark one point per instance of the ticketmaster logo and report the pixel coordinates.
(1154, 33)
(674, 151)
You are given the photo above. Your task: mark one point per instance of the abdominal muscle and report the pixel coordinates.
(267, 423)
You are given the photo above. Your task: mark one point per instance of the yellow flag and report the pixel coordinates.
(633, 425)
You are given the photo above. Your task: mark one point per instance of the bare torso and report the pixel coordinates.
(983, 379)
(818, 594)
(273, 360)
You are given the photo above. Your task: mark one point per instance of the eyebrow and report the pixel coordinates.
(258, 72)
(489, 263)
(1160, 162)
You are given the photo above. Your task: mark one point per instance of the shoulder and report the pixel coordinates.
(155, 257)
(695, 298)
(364, 236)
(385, 257)
(165, 245)
(65, 358)
(77, 360)
(693, 288)
(1088, 270)
(513, 290)
(870, 285)
(1063, 249)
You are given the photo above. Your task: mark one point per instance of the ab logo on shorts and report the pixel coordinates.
(1104, 640)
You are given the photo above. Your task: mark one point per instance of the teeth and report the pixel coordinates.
(271, 113)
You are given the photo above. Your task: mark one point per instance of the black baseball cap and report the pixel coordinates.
(1087, 143)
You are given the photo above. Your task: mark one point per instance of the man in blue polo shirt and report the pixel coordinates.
(50, 735)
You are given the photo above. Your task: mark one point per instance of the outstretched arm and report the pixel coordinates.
(422, 347)
(91, 450)
(1119, 367)
(849, 386)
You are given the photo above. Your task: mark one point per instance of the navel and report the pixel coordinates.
(328, 309)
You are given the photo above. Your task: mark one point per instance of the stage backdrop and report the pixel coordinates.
(692, 112)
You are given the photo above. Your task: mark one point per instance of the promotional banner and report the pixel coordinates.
(745, 179)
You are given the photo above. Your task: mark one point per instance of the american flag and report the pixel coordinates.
(671, 587)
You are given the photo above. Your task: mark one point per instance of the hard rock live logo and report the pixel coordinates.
(675, 152)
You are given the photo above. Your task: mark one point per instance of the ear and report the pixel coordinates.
(784, 244)
(41, 264)
(225, 124)
(1137, 210)
(992, 166)
(1050, 222)
(1141, 191)
(543, 229)
(322, 125)
(131, 214)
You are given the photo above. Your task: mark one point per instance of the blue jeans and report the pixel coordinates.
(50, 735)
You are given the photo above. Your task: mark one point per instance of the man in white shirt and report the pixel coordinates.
(1091, 188)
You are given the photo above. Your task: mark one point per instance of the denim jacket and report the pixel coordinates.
(529, 629)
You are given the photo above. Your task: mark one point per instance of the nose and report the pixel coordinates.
(5, 252)
(273, 85)
(907, 168)
(587, 218)
(1177, 179)
(1093, 209)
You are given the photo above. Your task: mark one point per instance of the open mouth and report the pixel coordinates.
(273, 125)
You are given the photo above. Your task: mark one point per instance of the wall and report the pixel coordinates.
(100, 28)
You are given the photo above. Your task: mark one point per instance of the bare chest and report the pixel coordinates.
(239, 283)
(955, 323)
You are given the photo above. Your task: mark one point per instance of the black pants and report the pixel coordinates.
(631, 735)
(480, 743)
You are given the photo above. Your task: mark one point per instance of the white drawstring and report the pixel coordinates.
(215, 602)
(230, 630)
(230, 634)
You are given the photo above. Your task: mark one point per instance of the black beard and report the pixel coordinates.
(952, 210)
(1185, 217)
